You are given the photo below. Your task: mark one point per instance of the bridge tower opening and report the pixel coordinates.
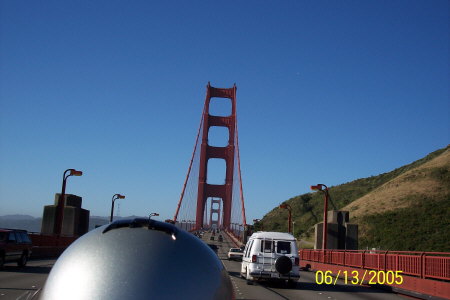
(214, 221)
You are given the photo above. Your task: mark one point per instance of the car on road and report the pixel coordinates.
(271, 256)
(235, 254)
(15, 246)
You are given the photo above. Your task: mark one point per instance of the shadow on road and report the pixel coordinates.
(28, 269)
(18, 289)
(234, 274)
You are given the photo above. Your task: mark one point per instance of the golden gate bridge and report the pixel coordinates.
(223, 203)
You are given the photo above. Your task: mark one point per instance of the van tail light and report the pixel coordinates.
(254, 258)
(297, 261)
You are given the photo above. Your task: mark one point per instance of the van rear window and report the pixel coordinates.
(284, 247)
(267, 246)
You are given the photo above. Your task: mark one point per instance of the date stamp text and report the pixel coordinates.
(359, 277)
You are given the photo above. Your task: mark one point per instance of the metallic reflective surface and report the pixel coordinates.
(138, 263)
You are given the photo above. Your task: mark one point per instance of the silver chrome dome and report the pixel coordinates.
(138, 259)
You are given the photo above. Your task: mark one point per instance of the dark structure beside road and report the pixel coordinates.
(75, 220)
(340, 233)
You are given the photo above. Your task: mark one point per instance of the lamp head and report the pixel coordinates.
(317, 187)
(74, 172)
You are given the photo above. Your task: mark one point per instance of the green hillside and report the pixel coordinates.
(419, 222)
(421, 227)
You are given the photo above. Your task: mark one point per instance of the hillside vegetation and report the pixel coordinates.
(405, 209)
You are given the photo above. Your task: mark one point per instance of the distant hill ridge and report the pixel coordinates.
(17, 217)
(33, 224)
(405, 209)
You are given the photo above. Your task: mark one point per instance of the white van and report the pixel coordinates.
(271, 255)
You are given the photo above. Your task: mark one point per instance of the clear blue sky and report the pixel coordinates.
(328, 92)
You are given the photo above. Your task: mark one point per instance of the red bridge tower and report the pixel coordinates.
(223, 191)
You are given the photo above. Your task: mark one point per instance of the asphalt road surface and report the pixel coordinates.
(23, 283)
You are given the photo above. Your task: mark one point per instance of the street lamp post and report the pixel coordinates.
(293, 228)
(288, 207)
(60, 206)
(320, 187)
(114, 198)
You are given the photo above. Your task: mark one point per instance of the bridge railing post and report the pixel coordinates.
(385, 260)
(422, 265)
(378, 261)
(397, 258)
(363, 259)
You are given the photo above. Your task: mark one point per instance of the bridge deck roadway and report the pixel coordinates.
(21, 283)
(305, 289)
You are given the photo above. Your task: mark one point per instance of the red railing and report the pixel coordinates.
(40, 240)
(237, 240)
(49, 245)
(434, 265)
